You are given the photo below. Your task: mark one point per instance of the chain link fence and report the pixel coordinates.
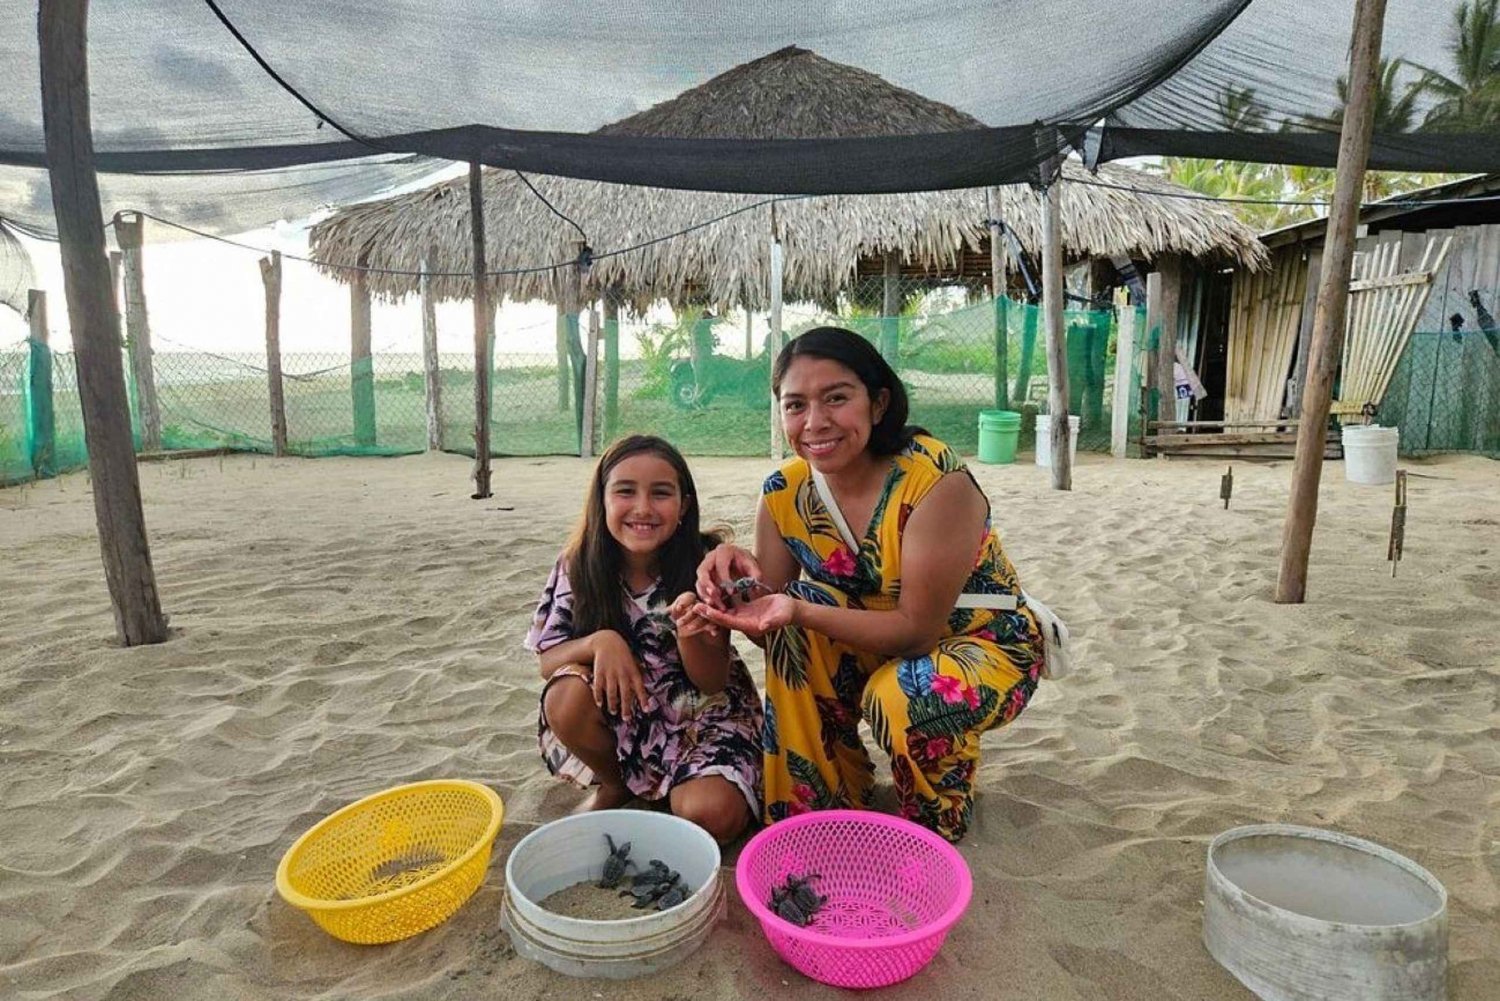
(1445, 394)
(699, 379)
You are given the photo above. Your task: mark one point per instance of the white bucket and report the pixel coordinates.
(571, 850)
(1299, 914)
(1044, 440)
(1370, 453)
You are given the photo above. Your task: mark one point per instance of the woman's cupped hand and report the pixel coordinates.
(753, 618)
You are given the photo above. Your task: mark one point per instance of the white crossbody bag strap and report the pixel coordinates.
(996, 602)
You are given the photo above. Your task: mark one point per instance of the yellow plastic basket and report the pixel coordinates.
(395, 863)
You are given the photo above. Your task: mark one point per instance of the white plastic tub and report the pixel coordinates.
(1370, 454)
(1299, 914)
(1044, 440)
(572, 850)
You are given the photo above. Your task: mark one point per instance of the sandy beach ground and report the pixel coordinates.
(343, 625)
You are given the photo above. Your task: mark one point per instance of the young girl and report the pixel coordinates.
(644, 697)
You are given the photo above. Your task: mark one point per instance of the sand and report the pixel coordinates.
(589, 901)
(342, 625)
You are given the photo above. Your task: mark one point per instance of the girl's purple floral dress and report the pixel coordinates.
(683, 734)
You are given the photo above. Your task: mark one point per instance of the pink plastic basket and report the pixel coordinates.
(893, 888)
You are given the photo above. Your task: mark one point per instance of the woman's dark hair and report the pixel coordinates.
(595, 564)
(890, 434)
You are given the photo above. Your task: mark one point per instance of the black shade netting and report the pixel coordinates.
(774, 96)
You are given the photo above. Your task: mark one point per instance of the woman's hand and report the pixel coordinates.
(617, 684)
(724, 564)
(755, 618)
(688, 622)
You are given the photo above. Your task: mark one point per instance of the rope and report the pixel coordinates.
(527, 181)
(1195, 196)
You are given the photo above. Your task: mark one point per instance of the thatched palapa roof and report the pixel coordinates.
(791, 93)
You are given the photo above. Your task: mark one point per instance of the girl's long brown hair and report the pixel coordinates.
(595, 564)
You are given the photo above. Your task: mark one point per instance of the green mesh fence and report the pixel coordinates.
(15, 453)
(704, 382)
(699, 380)
(1445, 394)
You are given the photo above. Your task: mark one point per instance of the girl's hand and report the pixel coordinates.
(688, 622)
(756, 618)
(618, 684)
(724, 564)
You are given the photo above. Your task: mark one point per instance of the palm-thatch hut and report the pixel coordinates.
(715, 249)
(827, 241)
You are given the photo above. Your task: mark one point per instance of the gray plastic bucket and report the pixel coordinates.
(1299, 914)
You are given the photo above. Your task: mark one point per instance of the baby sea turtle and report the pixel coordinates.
(656, 884)
(676, 895)
(796, 901)
(615, 864)
(744, 588)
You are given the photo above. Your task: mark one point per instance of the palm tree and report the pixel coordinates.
(1231, 179)
(1240, 111)
(1469, 100)
(1395, 106)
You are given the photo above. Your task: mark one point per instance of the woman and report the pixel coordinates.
(916, 625)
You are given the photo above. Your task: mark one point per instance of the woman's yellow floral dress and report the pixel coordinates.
(927, 713)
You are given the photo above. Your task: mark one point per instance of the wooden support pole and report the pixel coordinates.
(1333, 301)
(749, 333)
(778, 450)
(998, 293)
(483, 332)
(131, 237)
(1052, 309)
(361, 361)
(115, 265)
(1119, 423)
(564, 362)
(1169, 267)
(611, 366)
(432, 375)
(40, 415)
(62, 28)
(890, 307)
(572, 278)
(590, 321)
(270, 276)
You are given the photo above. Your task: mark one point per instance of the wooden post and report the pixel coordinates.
(1002, 301)
(40, 415)
(432, 376)
(611, 366)
(1119, 425)
(361, 362)
(778, 450)
(270, 276)
(749, 332)
(572, 278)
(564, 361)
(62, 27)
(130, 236)
(590, 383)
(1333, 301)
(890, 308)
(482, 335)
(1170, 268)
(1154, 340)
(1052, 307)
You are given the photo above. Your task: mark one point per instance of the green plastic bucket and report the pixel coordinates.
(998, 432)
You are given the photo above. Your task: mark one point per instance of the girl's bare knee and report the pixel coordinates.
(722, 813)
(569, 705)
